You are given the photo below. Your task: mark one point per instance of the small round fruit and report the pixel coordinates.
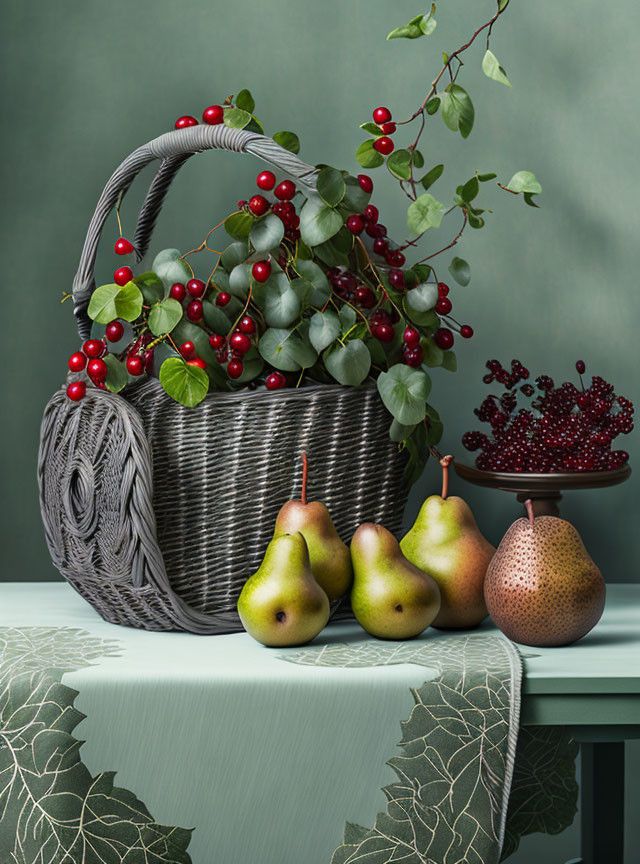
(185, 121)
(366, 183)
(365, 297)
(197, 361)
(223, 299)
(123, 246)
(395, 258)
(466, 331)
(76, 390)
(188, 350)
(381, 115)
(383, 333)
(371, 213)
(94, 347)
(443, 289)
(258, 205)
(275, 381)
(411, 337)
(216, 341)
(383, 145)
(114, 331)
(285, 190)
(355, 224)
(213, 115)
(77, 362)
(178, 291)
(443, 338)
(580, 367)
(380, 246)
(396, 279)
(135, 366)
(123, 275)
(97, 369)
(261, 271)
(240, 342)
(388, 128)
(195, 310)
(195, 288)
(266, 180)
(413, 357)
(247, 325)
(443, 306)
(234, 368)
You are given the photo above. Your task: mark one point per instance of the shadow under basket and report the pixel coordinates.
(157, 514)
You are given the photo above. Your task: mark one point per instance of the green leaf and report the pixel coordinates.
(286, 350)
(400, 432)
(267, 233)
(421, 25)
(347, 315)
(164, 316)
(288, 140)
(431, 354)
(404, 392)
(424, 213)
(235, 253)
(188, 385)
(236, 118)
(528, 199)
(115, 301)
(215, 318)
(460, 271)
(318, 222)
(355, 198)
(417, 158)
(117, 376)
(310, 271)
(372, 128)
(349, 364)
(449, 361)
(151, 285)
(435, 428)
(457, 109)
(492, 69)
(238, 224)
(407, 31)
(433, 105)
(245, 100)
(331, 186)
(422, 271)
(324, 328)
(240, 279)
(367, 156)
(524, 181)
(470, 189)
(475, 221)
(281, 303)
(168, 266)
(502, 4)
(252, 366)
(423, 297)
(399, 164)
(431, 176)
(484, 177)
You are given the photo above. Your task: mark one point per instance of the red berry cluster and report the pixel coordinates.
(367, 221)
(566, 428)
(88, 359)
(384, 144)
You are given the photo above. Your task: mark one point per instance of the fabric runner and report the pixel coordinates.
(266, 754)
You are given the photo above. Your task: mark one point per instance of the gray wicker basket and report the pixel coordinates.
(156, 513)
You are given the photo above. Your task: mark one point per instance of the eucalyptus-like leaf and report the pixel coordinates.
(310, 271)
(267, 233)
(216, 318)
(400, 432)
(151, 285)
(324, 328)
(236, 118)
(404, 392)
(188, 385)
(424, 213)
(431, 354)
(235, 253)
(347, 315)
(524, 181)
(399, 164)
(492, 69)
(367, 156)
(170, 268)
(286, 350)
(238, 225)
(372, 128)
(449, 361)
(460, 270)
(240, 279)
(115, 301)
(349, 364)
(470, 189)
(330, 186)
(457, 109)
(117, 376)
(245, 100)
(355, 198)
(318, 221)
(423, 297)
(433, 105)
(288, 140)
(281, 304)
(164, 316)
(431, 176)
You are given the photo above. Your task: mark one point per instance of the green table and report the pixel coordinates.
(137, 698)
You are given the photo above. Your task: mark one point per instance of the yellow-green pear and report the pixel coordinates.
(329, 556)
(446, 542)
(391, 597)
(282, 604)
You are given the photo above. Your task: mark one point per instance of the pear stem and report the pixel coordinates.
(303, 494)
(445, 475)
(529, 505)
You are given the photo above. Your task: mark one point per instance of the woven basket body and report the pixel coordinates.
(157, 513)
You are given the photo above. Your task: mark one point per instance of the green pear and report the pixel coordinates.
(329, 556)
(446, 543)
(282, 604)
(391, 597)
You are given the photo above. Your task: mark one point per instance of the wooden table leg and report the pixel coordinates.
(602, 803)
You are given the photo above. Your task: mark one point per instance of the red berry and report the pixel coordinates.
(247, 325)
(383, 333)
(114, 331)
(240, 342)
(195, 310)
(223, 299)
(123, 275)
(443, 338)
(216, 341)
(395, 258)
(97, 369)
(413, 357)
(197, 361)
(411, 337)
(94, 347)
(234, 368)
(366, 183)
(213, 115)
(443, 306)
(266, 180)
(184, 121)
(195, 287)
(77, 362)
(381, 115)
(258, 205)
(285, 190)
(355, 224)
(580, 367)
(466, 331)
(261, 271)
(443, 289)
(388, 128)
(275, 381)
(135, 365)
(123, 247)
(383, 145)
(396, 279)
(365, 297)
(188, 350)
(371, 213)
(76, 390)
(178, 291)
(380, 246)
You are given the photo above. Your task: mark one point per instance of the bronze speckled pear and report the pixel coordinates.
(542, 588)
(446, 543)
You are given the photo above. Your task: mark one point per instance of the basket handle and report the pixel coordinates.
(173, 148)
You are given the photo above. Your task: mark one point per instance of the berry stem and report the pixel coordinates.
(303, 493)
(529, 505)
(445, 461)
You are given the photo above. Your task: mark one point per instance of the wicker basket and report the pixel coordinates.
(145, 513)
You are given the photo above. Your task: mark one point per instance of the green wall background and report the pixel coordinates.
(85, 82)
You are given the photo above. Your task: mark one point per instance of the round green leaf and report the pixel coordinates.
(324, 328)
(267, 233)
(234, 254)
(238, 224)
(240, 279)
(404, 392)
(424, 213)
(245, 100)
(423, 297)
(236, 118)
(524, 181)
(215, 318)
(188, 385)
(399, 164)
(117, 375)
(331, 186)
(355, 198)
(400, 432)
(280, 303)
(460, 271)
(457, 109)
(318, 222)
(349, 364)
(310, 271)
(288, 140)
(431, 354)
(164, 316)
(449, 361)
(168, 266)
(286, 350)
(151, 286)
(433, 105)
(367, 156)
(115, 301)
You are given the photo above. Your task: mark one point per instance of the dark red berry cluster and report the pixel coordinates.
(566, 428)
